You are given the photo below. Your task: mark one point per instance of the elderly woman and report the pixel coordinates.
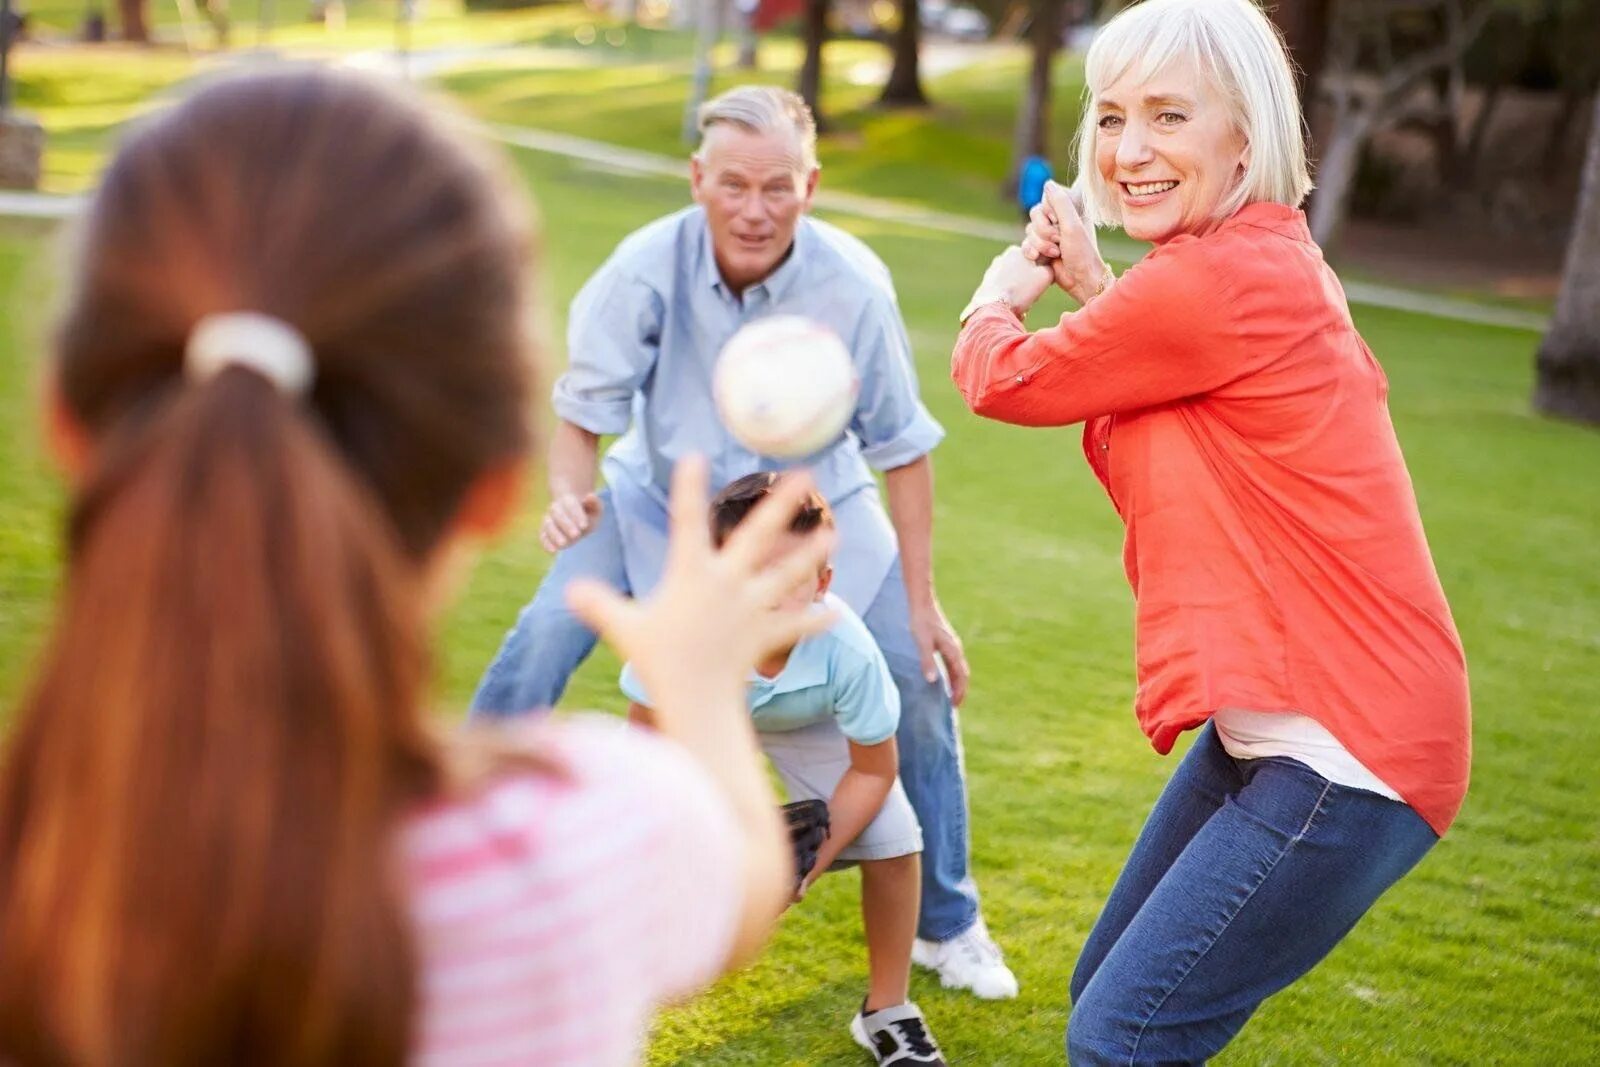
(1286, 599)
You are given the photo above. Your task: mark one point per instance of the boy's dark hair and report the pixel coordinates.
(739, 498)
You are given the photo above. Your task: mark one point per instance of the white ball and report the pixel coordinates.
(785, 386)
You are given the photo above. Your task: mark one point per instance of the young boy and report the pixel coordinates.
(826, 712)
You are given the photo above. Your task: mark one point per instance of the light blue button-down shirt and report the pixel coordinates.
(643, 337)
(838, 674)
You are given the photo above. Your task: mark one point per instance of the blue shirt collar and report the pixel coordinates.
(807, 668)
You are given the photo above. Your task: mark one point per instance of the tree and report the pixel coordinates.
(1032, 137)
(816, 35)
(708, 28)
(1568, 364)
(904, 87)
(1384, 55)
(745, 32)
(1304, 25)
(135, 20)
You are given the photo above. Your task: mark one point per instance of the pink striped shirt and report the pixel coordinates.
(553, 915)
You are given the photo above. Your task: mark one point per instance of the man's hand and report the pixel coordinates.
(569, 518)
(935, 635)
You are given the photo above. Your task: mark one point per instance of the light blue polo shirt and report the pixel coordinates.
(838, 674)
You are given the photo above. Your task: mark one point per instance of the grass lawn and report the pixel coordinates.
(1489, 953)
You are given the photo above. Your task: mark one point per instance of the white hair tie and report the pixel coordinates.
(261, 343)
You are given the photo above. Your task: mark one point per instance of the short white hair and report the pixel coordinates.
(1231, 43)
(763, 109)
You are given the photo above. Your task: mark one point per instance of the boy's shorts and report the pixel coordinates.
(811, 760)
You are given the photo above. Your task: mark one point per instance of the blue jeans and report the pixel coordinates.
(1246, 874)
(548, 643)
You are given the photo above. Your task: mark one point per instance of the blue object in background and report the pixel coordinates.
(1030, 183)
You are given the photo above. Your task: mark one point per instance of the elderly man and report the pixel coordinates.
(643, 335)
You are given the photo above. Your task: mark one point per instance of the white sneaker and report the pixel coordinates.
(970, 960)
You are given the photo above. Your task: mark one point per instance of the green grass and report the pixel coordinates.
(1489, 953)
(84, 95)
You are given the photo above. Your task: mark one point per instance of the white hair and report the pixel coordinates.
(1232, 44)
(763, 109)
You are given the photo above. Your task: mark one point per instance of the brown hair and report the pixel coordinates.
(198, 801)
(739, 498)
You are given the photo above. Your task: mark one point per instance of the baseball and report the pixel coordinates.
(785, 386)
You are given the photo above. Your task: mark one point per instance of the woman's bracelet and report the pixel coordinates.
(1106, 278)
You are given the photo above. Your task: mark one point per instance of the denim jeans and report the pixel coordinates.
(548, 643)
(1247, 873)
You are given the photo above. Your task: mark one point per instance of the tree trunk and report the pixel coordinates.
(1556, 146)
(1335, 177)
(1568, 364)
(708, 28)
(7, 18)
(1033, 120)
(1304, 25)
(811, 69)
(221, 22)
(1472, 154)
(748, 41)
(135, 20)
(904, 88)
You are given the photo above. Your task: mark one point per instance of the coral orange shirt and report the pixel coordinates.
(1277, 558)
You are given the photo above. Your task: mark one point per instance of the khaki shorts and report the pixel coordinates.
(811, 760)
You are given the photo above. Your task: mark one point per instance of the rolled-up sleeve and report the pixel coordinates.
(613, 337)
(866, 702)
(893, 425)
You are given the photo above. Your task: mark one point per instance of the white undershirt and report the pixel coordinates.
(1258, 734)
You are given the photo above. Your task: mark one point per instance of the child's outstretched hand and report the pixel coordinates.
(695, 639)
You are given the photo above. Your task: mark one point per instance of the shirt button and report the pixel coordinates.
(1021, 379)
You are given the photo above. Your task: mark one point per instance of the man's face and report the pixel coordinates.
(754, 188)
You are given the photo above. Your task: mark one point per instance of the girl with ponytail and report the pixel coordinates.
(291, 380)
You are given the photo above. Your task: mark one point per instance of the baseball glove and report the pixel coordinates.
(808, 829)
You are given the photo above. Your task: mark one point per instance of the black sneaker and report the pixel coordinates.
(897, 1036)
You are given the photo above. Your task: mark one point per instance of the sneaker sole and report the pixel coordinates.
(919, 959)
(858, 1031)
(967, 987)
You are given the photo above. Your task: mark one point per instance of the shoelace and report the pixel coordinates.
(916, 1036)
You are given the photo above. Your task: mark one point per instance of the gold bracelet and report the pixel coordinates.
(1106, 278)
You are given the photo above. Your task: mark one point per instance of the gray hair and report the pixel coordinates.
(1231, 43)
(763, 109)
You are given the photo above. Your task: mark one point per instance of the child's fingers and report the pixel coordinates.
(601, 608)
(803, 563)
(689, 532)
(782, 629)
(753, 538)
